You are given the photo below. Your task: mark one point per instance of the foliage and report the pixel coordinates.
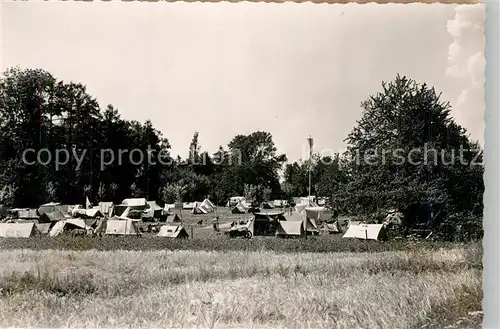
(391, 158)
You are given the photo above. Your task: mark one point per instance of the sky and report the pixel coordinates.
(225, 69)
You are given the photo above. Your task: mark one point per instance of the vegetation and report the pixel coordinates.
(399, 289)
(320, 244)
(37, 111)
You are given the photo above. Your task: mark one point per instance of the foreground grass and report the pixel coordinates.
(397, 289)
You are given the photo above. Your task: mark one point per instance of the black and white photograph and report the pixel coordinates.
(241, 165)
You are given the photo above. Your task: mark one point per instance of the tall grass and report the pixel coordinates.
(239, 289)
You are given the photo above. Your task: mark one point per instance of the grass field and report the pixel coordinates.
(418, 288)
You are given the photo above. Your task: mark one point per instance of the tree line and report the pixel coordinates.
(39, 111)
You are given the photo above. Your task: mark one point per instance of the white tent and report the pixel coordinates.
(121, 227)
(320, 214)
(240, 208)
(289, 229)
(208, 206)
(366, 232)
(331, 228)
(70, 223)
(88, 213)
(204, 207)
(173, 218)
(134, 202)
(18, 230)
(168, 207)
(178, 232)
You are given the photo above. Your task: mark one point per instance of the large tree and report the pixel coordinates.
(392, 163)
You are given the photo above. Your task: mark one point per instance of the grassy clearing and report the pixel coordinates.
(397, 289)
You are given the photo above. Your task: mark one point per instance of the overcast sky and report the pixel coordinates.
(226, 69)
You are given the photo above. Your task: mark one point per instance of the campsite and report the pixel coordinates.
(242, 165)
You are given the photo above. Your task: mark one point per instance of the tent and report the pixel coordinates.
(52, 207)
(310, 226)
(153, 210)
(207, 206)
(28, 214)
(121, 227)
(177, 232)
(198, 211)
(286, 229)
(189, 205)
(265, 223)
(366, 232)
(135, 202)
(67, 225)
(331, 228)
(91, 222)
(18, 230)
(320, 214)
(50, 217)
(240, 208)
(106, 208)
(118, 210)
(44, 228)
(168, 207)
(88, 213)
(173, 218)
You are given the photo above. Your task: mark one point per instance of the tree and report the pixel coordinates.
(408, 121)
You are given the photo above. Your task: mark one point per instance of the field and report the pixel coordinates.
(420, 287)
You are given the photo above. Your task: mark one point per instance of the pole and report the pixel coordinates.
(310, 140)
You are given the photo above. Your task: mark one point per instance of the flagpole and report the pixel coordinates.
(310, 140)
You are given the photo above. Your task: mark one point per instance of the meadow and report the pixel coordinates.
(420, 287)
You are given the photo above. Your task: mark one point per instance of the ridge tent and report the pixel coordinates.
(67, 225)
(177, 232)
(198, 211)
(320, 214)
(208, 203)
(287, 229)
(121, 227)
(135, 202)
(265, 223)
(153, 210)
(18, 230)
(52, 207)
(207, 206)
(239, 209)
(173, 218)
(88, 213)
(366, 232)
(311, 226)
(44, 228)
(50, 217)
